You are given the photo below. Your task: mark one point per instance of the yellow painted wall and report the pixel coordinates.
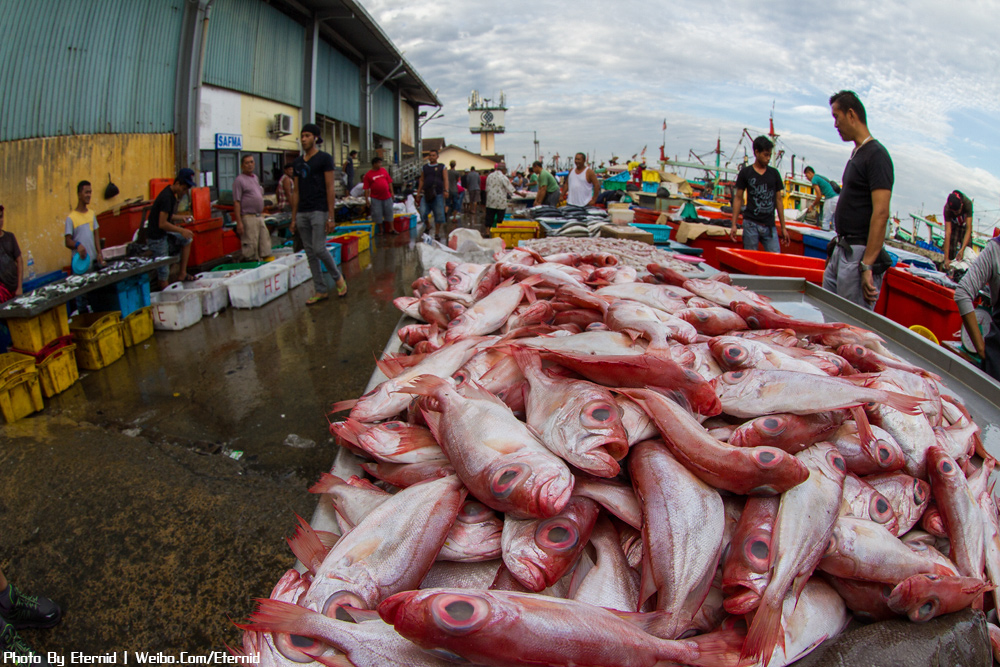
(257, 115)
(464, 159)
(38, 187)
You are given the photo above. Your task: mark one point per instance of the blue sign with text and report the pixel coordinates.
(233, 142)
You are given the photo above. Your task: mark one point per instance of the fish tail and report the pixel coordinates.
(306, 545)
(276, 616)
(340, 406)
(326, 483)
(907, 404)
(413, 438)
(348, 430)
(390, 367)
(765, 631)
(423, 385)
(526, 358)
(720, 648)
(869, 442)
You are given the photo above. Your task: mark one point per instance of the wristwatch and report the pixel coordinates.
(862, 267)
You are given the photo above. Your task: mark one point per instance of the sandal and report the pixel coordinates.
(341, 287)
(316, 298)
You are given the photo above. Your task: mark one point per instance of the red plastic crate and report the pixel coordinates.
(156, 186)
(908, 299)
(230, 242)
(401, 223)
(207, 242)
(119, 229)
(42, 354)
(348, 247)
(201, 203)
(760, 263)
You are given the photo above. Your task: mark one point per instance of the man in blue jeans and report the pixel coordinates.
(765, 193)
(313, 206)
(431, 191)
(164, 237)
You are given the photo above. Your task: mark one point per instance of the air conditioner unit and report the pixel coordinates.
(282, 124)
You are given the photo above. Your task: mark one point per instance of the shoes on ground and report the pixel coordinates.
(341, 286)
(12, 645)
(28, 611)
(316, 298)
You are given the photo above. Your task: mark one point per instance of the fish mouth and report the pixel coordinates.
(615, 448)
(553, 496)
(742, 603)
(529, 574)
(392, 608)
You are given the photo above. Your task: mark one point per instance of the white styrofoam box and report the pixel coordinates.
(298, 268)
(278, 253)
(214, 293)
(256, 287)
(219, 275)
(622, 216)
(114, 251)
(174, 310)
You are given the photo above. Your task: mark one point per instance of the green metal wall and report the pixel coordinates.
(383, 112)
(101, 66)
(338, 85)
(255, 49)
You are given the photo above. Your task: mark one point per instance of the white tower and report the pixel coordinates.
(486, 118)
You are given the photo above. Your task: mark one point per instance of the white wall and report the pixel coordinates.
(221, 113)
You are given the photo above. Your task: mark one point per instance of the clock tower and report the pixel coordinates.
(486, 118)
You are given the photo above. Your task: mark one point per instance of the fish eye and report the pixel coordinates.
(472, 512)
(459, 614)
(883, 452)
(557, 534)
(879, 509)
(771, 425)
(858, 350)
(946, 467)
(766, 458)
(506, 479)
(295, 647)
(333, 604)
(735, 354)
(393, 426)
(919, 493)
(599, 413)
(733, 377)
(926, 610)
(757, 552)
(837, 461)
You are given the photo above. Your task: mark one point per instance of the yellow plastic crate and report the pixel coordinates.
(138, 326)
(364, 239)
(21, 396)
(13, 364)
(96, 352)
(513, 235)
(87, 326)
(519, 224)
(31, 334)
(58, 371)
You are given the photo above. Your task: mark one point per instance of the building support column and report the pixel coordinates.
(187, 89)
(397, 143)
(365, 133)
(309, 84)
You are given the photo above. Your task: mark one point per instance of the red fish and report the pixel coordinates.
(787, 431)
(746, 570)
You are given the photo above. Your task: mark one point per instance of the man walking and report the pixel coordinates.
(957, 227)
(582, 186)
(498, 189)
(855, 268)
(472, 191)
(248, 209)
(164, 237)
(81, 228)
(313, 206)
(431, 191)
(825, 198)
(548, 187)
(349, 169)
(765, 193)
(453, 207)
(378, 193)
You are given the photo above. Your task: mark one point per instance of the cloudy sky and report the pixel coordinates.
(601, 77)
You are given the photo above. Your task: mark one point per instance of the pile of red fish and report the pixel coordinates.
(577, 467)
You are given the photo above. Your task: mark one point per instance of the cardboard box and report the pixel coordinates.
(626, 232)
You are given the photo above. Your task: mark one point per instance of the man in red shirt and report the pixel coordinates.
(378, 193)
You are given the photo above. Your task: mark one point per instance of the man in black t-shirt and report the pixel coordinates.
(163, 236)
(430, 193)
(11, 264)
(765, 194)
(857, 264)
(313, 205)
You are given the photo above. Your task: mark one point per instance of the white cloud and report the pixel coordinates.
(599, 76)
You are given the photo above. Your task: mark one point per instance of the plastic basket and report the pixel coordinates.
(335, 251)
(298, 268)
(214, 293)
(348, 246)
(138, 326)
(58, 371)
(650, 186)
(174, 310)
(364, 239)
(13, 364)
(239, 266)
(513, 235)
(661, 233)
(31, 334)
(255, 288)
(20, 397)
(102, 349)
(125, 296)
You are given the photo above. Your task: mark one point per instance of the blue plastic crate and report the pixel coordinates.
(126, 296)
(334, 249)
(661, 233)
(42, 280)
(814, 246)
(650, 186)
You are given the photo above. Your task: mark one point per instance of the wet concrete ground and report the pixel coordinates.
(120, 500)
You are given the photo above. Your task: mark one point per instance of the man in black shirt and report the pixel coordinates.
(11, 264)
(164, 237)
(313, 205)
(857, 264)
(431, 191)
(765, 193)
(957, 227)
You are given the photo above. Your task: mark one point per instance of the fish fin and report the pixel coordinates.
(647, 586)
(765, 631)
(327, 482)
(662, 624)
(526, 358)
(907, 404)
(340, 406)
(307, 546)
(433, 420)
(415, 438)
(362, 615)
(720, 647)
(389, 367)
(869, 442)
(423, 385)
(328, 539)
(275, 616)
(362, 483)
(348, 430)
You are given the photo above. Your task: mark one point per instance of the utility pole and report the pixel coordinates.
(536, 145)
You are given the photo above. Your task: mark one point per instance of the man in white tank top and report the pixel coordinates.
(581, 187)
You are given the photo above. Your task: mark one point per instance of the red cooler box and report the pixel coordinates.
(760, 263)
(207, 242)
(908, 299)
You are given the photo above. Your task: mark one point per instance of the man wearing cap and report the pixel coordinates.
(248, 209)
(498, 189)
(957, 227)
(313, 205)
(162, 235)
(81, 228)
(378, 193)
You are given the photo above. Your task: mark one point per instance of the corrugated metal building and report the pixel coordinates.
(130, 90)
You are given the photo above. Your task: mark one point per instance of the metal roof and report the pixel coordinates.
(350, 28)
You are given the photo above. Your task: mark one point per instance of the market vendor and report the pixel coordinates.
(825, 202)
(498, 189)
(82, 231)
(957, 227)
(248, 210)
(581, 187)
(163, 236)
(378, 192)
(765, 192)
(11, 264)
(984, 271)
(548, 187)
(858, 259)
